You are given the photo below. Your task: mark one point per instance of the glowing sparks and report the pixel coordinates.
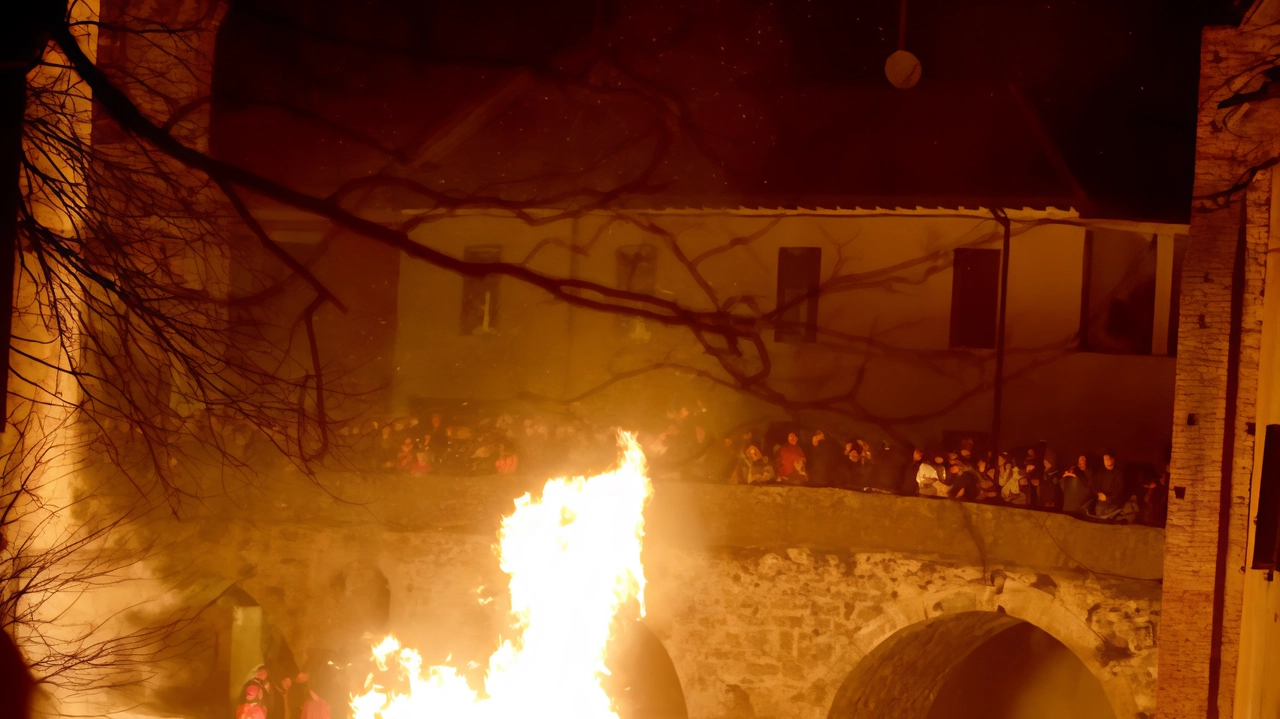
(573, 557)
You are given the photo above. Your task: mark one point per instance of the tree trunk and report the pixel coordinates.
(22, 38)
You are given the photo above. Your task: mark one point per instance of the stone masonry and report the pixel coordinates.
(766, 599)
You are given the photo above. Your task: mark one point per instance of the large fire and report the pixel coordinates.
(573, 556)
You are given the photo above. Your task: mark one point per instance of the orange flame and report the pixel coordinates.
(573, 557)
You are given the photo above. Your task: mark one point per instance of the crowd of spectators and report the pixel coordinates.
(472, 442)
(1100, 488)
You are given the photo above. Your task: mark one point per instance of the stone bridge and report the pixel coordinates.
(768, 602)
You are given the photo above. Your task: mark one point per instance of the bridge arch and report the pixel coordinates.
(643, 679)
(900, 663)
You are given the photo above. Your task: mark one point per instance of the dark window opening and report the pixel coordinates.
(1266, 531)
(637, 268)
(975, 298)
(1118, 292)
(480, 293)
(799, 276)
(637, 272)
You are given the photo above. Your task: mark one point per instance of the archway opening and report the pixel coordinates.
(216, 651)
(970, 665)
(643, 680)
(1021, 673)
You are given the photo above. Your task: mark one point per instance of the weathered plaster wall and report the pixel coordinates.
(892, 310)
(765, 599)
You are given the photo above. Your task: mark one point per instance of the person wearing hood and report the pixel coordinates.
(1050, 494)
(1076, 493)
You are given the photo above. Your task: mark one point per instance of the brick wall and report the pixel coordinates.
(1215, 392)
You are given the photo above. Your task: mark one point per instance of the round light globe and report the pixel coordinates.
(903, 69)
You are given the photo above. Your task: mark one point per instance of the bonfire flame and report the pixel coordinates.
(574, 559)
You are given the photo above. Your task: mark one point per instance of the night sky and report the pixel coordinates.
(1112, 82)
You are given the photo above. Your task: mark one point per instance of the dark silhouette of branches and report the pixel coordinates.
(136, 347)
(65, 538)
(724, 336)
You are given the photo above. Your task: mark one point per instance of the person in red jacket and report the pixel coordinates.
(251, 707)
(788, 455)
(314, 707)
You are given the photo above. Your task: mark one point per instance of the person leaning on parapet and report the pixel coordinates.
(929, 477)
(825, 461)
(1051, 482)
(1108, 489)
(1077, 494)
(988, 483)
(962, 480)
(1155, 499)
(858, 454)
(941, 485)
(1034, 473)
(753, 466)
(912, 478)
(721, 460)
(1013, 483)
(788, 456)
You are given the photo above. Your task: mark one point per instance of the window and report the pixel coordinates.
(975, 298)
(799, 271)
(1118, 297)
(637, 272)
(480, 293)
(637, 268)
(1266, 530)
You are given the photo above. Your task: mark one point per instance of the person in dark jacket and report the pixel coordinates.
(826, 463)
(1108, 488)
(271, 695)
(1155, 500)
(886, 468)
(988, 483)
(721, 460)
(963, 480)
(1035, 479)
(859, 465)
(1050, 494)
(1076, 494)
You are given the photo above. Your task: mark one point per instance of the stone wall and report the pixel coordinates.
(766, 600)
(776, 634)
